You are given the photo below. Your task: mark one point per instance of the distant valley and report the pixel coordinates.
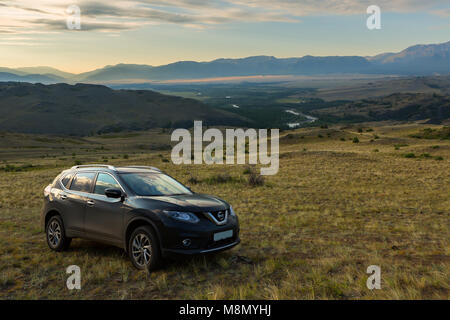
(87, 109)
(411, 85)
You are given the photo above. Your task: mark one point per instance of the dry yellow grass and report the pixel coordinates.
(310, 232)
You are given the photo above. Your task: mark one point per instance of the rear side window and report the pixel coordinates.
(105, 181)
(66, 179)
(56, 179)
(82, 181)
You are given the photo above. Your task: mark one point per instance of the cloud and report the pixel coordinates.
(339, 7)
(444, 13)
(116, 15)
(58, 25)
(30, 16)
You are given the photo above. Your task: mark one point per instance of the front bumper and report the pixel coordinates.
(201, 237)
(189, 252)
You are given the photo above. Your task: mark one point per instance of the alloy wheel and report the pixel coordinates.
(54, 233)
(141, 249)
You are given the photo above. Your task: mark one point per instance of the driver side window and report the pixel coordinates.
(105, 181)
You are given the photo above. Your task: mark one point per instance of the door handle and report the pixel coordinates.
(63, 197)
(90, 202)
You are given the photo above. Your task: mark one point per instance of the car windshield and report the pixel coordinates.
(154, 184)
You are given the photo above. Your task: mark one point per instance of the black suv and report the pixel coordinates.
(139, 209)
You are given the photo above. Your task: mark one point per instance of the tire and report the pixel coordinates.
(56, 234)
(143, 249)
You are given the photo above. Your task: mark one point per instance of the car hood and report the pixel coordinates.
(190, 202)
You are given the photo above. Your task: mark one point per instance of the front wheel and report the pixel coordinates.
(56, 235)
(143, 249)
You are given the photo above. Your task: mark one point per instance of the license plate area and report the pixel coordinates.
(223, 235)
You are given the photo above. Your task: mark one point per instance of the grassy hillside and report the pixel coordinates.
(400, 107)
(337, 205)
(358, 89)
(86, 109)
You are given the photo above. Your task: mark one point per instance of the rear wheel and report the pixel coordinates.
(56, 235)
(143, 249)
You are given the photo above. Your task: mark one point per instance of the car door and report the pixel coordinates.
(104, 216)
(75, 198)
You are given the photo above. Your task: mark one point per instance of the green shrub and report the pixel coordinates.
(255, 179)
(247, 170)
(425, 155)
(355, 140)
(13, 168)
(220, 178)
(409, 155)
(193, 180)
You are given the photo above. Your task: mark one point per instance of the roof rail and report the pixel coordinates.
(94, 165)
(144, 167)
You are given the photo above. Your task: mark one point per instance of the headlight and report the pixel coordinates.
(183, 216)
(232, 213)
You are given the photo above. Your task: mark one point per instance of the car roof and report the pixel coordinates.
(121, 169)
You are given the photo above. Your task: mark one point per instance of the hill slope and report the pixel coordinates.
(261, 65)
(46, 70)
(400, 106)
(33, 78)
(83, 109)
(418, 59)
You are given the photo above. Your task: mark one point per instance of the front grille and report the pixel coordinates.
(218, 217)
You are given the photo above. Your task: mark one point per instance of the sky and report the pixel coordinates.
(157, 32)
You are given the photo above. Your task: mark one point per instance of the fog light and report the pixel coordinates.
(186, 242)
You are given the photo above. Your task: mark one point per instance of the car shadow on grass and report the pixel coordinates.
(198, 262)
(98, 249)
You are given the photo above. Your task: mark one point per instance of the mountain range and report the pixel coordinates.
(416, 60)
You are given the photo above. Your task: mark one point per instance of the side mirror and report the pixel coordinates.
(113, 193)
